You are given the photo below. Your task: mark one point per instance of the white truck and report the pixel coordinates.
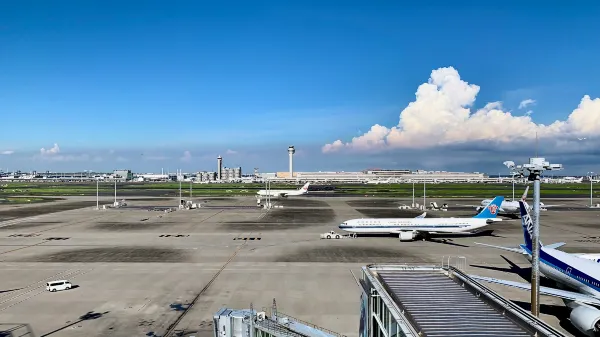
(334, 235)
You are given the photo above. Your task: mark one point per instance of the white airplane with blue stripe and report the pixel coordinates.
(578, 274)
(409, 228)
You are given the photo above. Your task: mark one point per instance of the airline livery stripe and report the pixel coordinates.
(574, 273)
(400, 226)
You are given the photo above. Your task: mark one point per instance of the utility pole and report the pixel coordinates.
(533, 171)
(115, 191)
(97, 200)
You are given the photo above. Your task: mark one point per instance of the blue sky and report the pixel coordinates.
(113, 81)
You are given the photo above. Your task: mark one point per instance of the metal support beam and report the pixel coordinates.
(535, 255)
(533, 171)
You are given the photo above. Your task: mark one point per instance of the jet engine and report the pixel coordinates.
(407, 235)
(586, 319)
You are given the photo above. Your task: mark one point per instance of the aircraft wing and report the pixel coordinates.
(555, 245)
(468, 205)
(421, 216)
(514, 250)
(546, 206)
(569, 295)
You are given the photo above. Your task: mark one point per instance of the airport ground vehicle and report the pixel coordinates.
(53, 286)
(334, 235)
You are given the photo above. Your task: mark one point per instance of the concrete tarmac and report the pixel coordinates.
(137, 271)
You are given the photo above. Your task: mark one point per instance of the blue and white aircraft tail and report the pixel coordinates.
(491, 210)
(575, 272)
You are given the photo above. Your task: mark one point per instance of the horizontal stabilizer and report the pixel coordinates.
(421, 216)
(555, 245)
(568, 295)
(514, 250)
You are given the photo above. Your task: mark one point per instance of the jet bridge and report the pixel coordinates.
(251, 323)
(431, 301)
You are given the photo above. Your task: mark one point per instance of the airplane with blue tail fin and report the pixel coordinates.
(578, 274)
(409, 228)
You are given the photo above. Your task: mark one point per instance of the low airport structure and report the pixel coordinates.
(403, 301)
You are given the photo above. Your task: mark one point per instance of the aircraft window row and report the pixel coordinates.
(583, 279)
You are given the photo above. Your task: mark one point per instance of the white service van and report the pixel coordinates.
(58, 285)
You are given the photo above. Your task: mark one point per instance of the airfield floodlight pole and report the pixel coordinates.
(533, 170)
(424, 195)
(97, 200)
(115, 191)
(513, 183)
(591, 189)
(413, 203)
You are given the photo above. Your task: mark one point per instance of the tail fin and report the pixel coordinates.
(491, 210)
(525, 193)
(527, 224)
(305, 187)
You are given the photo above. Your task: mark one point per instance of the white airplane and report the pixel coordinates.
(510, 207)
(571, 180)
(410, 228)
(283, 193)
(578, 273)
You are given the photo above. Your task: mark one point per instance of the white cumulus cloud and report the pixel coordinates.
(441, 115)
(7, 152)
(52, 151)
(187, 156)
(526, 103)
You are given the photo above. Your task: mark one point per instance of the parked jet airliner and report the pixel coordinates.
(510, 207)
(283, 193)
(410, 228)
(579, 272)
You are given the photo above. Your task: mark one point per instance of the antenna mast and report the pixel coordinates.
(536, 144)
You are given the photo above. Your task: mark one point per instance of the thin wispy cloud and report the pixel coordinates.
(231, 152)
(7, 152)
(526, 103)
(187, 156)
(157, 158)
(55, 154)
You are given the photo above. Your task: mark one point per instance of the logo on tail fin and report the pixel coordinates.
(528, 224)
(493, 209)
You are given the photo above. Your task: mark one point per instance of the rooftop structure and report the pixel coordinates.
(402, 300)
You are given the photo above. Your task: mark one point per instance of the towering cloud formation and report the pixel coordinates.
(441, 115)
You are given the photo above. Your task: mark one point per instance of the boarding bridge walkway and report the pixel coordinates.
(441, 307)
(431, 301)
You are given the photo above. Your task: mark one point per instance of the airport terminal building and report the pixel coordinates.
(385, 176)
